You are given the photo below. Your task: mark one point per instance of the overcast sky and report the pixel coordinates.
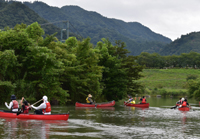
(171, 18)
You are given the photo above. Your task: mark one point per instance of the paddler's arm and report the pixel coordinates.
(10, 105)
(42, 106)
(30, 108)
(91, 101)
(21, 101)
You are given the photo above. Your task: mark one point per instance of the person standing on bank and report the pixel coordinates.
(44, 108)
(13, 104)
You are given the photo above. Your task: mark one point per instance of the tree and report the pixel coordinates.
(119, 72)
(194, 89)
(30, 69)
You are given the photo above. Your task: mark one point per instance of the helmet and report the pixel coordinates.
(13, 97)
(182, 99)
(45, 98)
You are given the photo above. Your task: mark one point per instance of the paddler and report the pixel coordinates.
(143, 100)
(179, 102)
(185, 103)
(44, 108)
(89, 99)
(13, 104)
(25, 106)
(130, 100)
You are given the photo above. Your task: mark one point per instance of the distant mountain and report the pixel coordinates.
(185, 44)
(137, 37)
(12, 13)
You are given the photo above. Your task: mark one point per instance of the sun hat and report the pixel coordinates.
(13, 97)
(89, 95)
(45, 98)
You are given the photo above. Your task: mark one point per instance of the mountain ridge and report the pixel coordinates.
(94, 25)
(187, 43)
(138, 38)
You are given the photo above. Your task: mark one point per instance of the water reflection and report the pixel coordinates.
(90, 108)
(19, 128)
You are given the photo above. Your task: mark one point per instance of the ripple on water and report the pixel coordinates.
(100, 130)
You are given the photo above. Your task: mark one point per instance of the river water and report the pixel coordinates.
(156, 122)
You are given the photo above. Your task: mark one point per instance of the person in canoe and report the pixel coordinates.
(44, 108)
(89, 99)
(25, 106)
(13, 104)
(178, 103)
(130, 100)
(185, 104)
(143, 100)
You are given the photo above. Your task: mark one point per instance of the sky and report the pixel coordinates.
(170, 18)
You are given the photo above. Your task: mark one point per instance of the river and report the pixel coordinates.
(156, 122)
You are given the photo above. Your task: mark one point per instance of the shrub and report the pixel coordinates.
(191, 77)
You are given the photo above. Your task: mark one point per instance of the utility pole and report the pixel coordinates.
(61, 36)
(67, 29)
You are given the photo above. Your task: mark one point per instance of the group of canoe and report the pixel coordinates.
(10, 114)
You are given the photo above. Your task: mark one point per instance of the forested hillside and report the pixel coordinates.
(185, 44)
(12, 13)
(137, 37)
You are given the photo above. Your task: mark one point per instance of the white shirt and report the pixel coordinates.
(10, 106)
(42, 106)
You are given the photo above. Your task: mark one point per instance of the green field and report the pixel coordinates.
(167, 81)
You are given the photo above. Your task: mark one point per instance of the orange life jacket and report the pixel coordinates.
(47, 109)
(26, 110)
(15, 104)
(143, 100)
(184, 104)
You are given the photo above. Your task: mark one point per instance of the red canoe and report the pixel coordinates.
(104, 104)
(184, 109)
(142, 105)
(34, 116)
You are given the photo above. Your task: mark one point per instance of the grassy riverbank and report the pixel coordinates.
(167, 81)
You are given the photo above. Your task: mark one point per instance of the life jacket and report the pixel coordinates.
(87, 101)
(184, 104)
(47, 109)
(26, 110)
(132, 102)
(15, 104)
(143, 100)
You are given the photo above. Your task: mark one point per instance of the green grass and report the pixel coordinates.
(172, 81)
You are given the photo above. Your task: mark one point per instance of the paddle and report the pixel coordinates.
(18, 113)
(174, 107)
(37, 102)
